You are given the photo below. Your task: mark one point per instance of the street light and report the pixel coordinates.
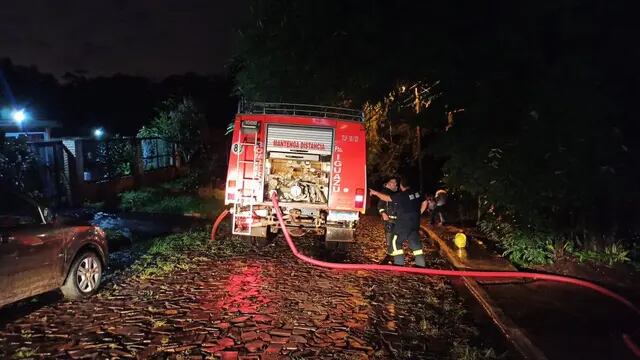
(19, 116)
(98, 133)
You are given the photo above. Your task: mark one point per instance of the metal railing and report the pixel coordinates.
(246, 107)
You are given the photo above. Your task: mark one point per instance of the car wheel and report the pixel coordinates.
(84, 276)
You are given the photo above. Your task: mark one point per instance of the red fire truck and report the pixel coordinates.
(314, 157)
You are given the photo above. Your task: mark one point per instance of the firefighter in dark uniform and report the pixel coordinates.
(387, 211)
(410, 205)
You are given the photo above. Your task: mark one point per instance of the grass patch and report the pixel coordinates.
(523, 248)
(182, 204)
(162, 201)
(186, 184)
(135, 200)
(183, 251)
(25, 353)
(468, 352)
(610, 255)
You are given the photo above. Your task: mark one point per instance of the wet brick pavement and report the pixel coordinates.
(264, 305)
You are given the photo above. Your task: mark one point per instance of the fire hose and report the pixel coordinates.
(216, 224)
(452, 273)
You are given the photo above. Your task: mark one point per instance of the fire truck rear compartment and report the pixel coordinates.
(296, 161)
(300, 179)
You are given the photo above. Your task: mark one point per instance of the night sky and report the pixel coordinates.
(151, 38)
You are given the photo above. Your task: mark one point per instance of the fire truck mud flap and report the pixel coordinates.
(339, 234)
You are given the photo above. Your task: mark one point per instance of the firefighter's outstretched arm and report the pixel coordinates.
(382, 210)
(381, 196)
(423, 206)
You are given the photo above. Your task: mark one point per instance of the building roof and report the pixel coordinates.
(29, 125)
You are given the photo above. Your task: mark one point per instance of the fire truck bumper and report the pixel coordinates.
(339, 234)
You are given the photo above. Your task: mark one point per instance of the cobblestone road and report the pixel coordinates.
(264, 305)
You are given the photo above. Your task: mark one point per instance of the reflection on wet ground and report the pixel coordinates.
(567, 322)
(243, 292)
(563, 321)
(265, 304)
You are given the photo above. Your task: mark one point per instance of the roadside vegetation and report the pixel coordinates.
(526, 248)
(551, 173)
(180, 121)
(18, 167)
(179, 196)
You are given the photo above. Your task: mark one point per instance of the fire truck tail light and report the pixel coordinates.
(359, 198)
(231, 196)
(231, 184)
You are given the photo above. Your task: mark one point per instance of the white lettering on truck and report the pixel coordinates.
(295, 144)
(337, 170)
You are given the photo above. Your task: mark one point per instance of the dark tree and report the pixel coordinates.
(535, 116)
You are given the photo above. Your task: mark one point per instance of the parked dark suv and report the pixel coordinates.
(38, 253)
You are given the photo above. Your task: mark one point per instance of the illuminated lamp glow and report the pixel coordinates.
(19, 116)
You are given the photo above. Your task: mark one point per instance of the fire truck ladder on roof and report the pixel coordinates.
(255, 107)
(248, 184)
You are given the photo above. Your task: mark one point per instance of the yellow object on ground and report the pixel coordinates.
(460, 240)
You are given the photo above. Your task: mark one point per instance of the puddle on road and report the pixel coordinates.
(243, 292)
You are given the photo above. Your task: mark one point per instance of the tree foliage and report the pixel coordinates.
(534, 117)
(329, 52)
(393, 129)
(120, 103)
(115, 157)
(179, 121)
(18, 166)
